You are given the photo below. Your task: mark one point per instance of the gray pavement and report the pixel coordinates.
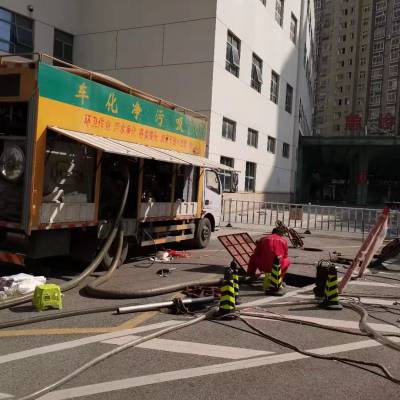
(206, 361)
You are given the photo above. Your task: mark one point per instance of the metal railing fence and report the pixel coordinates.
(306, 216)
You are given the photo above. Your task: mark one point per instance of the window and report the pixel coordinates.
(232, 63)
(285, 150)
(256, 73)
(63, 45)
(279, 6)
(392, 84)
(226, 176)
(377, 59)
(374, 114)
(250, 179)
(293, 29)
(362, 75)
(289, 99)
(393, 70)
(394, 54)
(274, 87)
(212, 181)
(380, 20)
(375, 100)
(379, 33)
(381, 5)
(396, 28)
(390, 110)
(363, 61)
(252, 138)
(363, 47)
(377, 74)
(16, 33)
(379, 46)
(271, 144)
(229, 129)
(376, 87)
(395, 43)
(391, 97)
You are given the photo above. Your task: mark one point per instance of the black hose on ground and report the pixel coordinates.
(93, 265)
(93, 290)
(344, 360)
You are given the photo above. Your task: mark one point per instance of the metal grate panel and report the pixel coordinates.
(240, 246)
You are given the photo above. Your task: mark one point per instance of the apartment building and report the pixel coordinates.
(248, 65)
(344, 47)
(383, 93)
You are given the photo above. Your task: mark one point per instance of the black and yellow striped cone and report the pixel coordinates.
(235, 278)
(275, 286)
(267, 281)
(227, 302)
(320, 279)
(331, 299)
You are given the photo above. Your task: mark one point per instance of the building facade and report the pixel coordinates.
(383, 90)
(248, 65)
(358, 67)
(344, 41)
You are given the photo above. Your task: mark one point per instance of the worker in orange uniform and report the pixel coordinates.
(267, 248)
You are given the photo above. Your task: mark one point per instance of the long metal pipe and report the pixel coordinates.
(156, 306)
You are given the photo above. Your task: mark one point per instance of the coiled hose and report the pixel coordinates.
(93, 265)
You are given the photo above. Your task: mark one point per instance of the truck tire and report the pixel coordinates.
(203, 234)
(108, 258)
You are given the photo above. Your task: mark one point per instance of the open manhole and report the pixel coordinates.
(311, 249)
(297, 280)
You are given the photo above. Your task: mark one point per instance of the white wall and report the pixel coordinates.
(162, 47)
(254, 24)
(47, 15)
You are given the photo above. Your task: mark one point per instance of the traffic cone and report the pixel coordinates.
(267, 281)
(331, 299)
(227, 303)
(320, 279)
(275, 287)
(235, 278)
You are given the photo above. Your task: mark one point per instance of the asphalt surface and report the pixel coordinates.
(212, 359)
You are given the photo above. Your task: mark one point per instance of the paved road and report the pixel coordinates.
(211, 360)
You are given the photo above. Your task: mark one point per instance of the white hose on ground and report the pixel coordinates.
(109, 354)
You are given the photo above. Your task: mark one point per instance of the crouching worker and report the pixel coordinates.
(270, 250)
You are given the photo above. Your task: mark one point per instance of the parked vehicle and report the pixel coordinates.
(67, 135)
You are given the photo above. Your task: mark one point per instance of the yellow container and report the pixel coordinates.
(47, 295)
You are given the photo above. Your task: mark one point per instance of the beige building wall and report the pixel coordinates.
(343, 63)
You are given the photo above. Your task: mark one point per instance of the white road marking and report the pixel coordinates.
(201, 349)
(4, 396)
(338, 323)
(365, 300)
(176, 375)
(80, 342)
(271, 299)
(372, 283)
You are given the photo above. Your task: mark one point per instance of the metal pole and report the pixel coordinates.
(229, 225)
(156, 306)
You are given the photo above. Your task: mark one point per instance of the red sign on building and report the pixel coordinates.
(353, 122)
(387, 121)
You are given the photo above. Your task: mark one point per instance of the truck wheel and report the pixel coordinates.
(108, 258)
(203, 234)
